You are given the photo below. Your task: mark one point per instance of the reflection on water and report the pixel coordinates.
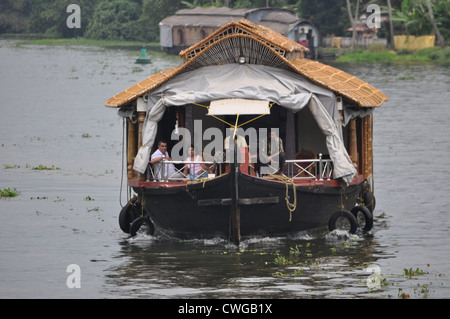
(326, 266)
(51, 100)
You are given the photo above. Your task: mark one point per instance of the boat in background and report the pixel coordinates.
(255, 80)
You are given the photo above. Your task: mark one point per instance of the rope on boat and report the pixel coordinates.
(290, 206)
(201, 180)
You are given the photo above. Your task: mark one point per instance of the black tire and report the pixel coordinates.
(332, 222)
(366, 214)
(138, 223)
(369, 201)
(127, 215)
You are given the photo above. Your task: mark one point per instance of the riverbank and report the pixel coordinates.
(428, 55)
(374, 54)
(109, 44)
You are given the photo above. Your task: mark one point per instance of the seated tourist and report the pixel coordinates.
(195, 170)
(157, 157)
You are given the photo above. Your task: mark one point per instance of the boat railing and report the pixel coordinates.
(164, 173)
(318, 169)
(298, 169)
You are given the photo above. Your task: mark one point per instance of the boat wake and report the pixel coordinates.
(339, 234)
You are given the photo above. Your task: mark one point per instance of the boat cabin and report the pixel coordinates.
(245, 57)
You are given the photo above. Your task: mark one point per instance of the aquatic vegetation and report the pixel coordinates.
(137, 70)
(406, 78)
(45, 168)
(8, 192)
(86, 135)
(410, 273)
(7, 166)
(281, 260)
(297, 273)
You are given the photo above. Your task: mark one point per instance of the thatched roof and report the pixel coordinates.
(205, 17)
(245, 29)
(259, 45)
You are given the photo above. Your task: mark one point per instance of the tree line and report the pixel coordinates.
(138, 20)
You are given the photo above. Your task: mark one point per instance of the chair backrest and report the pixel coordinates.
(304, 155)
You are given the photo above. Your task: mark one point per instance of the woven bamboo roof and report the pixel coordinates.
(260, 45)
(245, 28)
(340, 82)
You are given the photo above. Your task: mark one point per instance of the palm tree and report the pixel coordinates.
(433, 22)
(391, 25)
(353, 21)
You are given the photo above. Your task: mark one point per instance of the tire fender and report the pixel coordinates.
(138, 222)
(346, 214)
(365, 212)
(127, 215)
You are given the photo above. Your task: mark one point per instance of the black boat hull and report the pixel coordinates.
(203, 209)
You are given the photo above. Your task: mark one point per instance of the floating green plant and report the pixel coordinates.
(281, 260)
(411, 273)
(45, 168)
(8, 192)
(7, 166)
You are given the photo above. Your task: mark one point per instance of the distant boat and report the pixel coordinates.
(247, 76)
(143, 57)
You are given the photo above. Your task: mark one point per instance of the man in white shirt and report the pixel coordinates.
(229, 145)
(160, 154)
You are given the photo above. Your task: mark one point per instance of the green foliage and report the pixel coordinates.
(8, 192)
(45, 168)
(14, 16)
(410, 273)
(329, 16)
(427, 55)
(50, 17)
(138, 20)
(153, 12)
(115, 20)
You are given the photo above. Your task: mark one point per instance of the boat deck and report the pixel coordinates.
(136, 182)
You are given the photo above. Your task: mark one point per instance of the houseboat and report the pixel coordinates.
(247, 137)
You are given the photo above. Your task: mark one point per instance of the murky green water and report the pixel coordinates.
(52, 114)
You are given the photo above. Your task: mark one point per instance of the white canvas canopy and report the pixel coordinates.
(248, 81)
(238, 107)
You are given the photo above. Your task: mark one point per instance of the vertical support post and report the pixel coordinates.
(141, 118)
(367, 146)
(131, 147)
(290, 135)
(235, 214)
(141, 108)
(320, 167)
(353, 143)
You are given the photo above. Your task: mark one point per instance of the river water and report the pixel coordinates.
(52, 116)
